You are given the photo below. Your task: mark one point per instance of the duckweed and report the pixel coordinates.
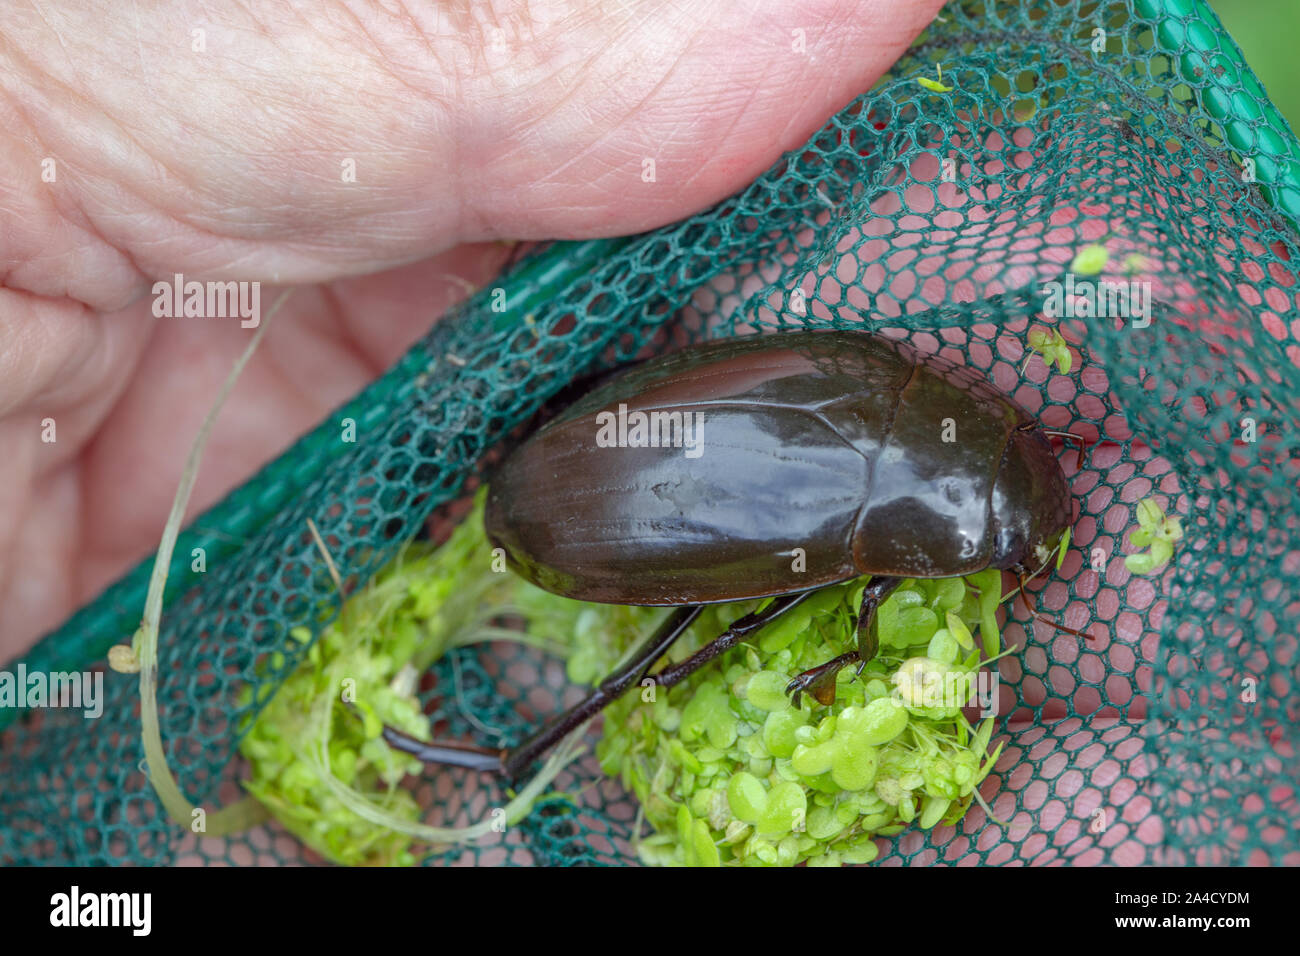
(813, 784)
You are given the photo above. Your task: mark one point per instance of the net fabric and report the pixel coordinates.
(1169, 738)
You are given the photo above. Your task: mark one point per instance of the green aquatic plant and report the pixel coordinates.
(1157, 533)
(318, 761)
(729, 772)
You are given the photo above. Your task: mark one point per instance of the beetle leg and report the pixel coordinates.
(1024, 597)
(629, 672)
(873, 595)
(446, 753)
(820, 680)
(740, 629)
(1069, 436)
(512, 762)
(637, 668)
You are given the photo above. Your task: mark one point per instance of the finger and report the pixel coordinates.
(61, 371)
(684, 105)
(289, 152)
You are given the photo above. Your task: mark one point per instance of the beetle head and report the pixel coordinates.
(1031, 504)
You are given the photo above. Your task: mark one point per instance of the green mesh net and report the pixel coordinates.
(934, 212)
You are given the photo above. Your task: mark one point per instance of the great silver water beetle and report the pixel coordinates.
(766, 466)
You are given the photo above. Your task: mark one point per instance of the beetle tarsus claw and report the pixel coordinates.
(819, 681)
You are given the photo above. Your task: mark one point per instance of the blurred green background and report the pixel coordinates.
(1266, 31)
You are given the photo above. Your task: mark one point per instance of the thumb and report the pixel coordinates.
(636, 121)
(282, 150)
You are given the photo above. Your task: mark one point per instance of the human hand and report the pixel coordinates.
(223, 154)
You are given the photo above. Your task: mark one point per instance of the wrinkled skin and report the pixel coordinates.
(521, 121)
